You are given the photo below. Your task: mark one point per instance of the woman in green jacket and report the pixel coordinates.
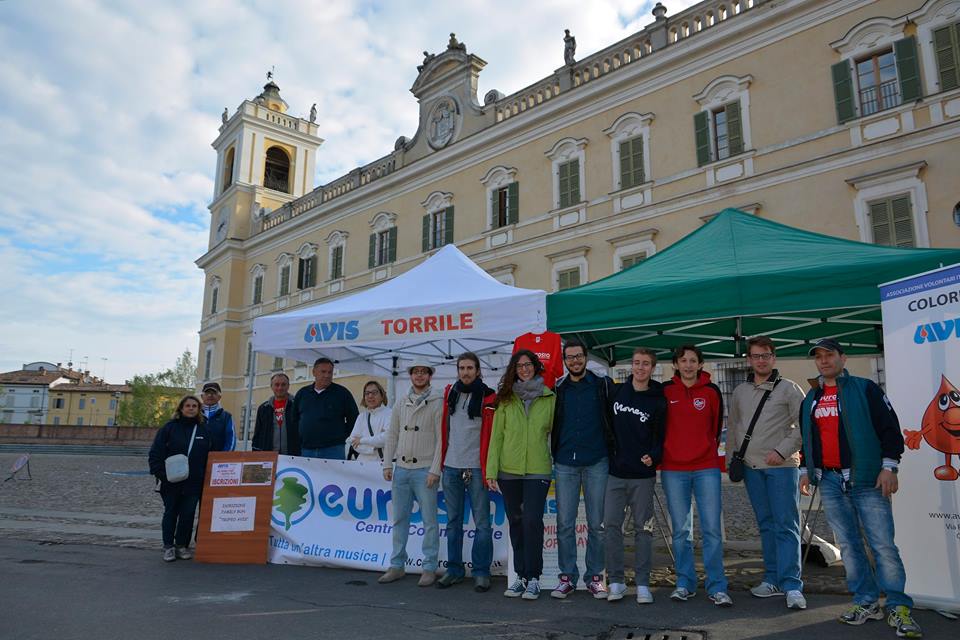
(519, 465)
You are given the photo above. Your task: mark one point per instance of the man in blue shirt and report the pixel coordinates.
(219, 420)
(582, 437)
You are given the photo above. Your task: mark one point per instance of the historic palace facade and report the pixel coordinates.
(838, 116)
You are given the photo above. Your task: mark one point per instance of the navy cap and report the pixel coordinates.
(212, 385)
(826, 343)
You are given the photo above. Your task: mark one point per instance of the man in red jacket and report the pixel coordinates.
(465, 433)
(691, 467)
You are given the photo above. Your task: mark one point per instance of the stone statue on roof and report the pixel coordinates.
(427, 57)
(455, 44)
(313, 112)
(225, 115)
(569, 48)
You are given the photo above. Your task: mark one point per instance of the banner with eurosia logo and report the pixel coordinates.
(334, 513)
(921, 336)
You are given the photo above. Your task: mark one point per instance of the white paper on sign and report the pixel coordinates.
(233, 514)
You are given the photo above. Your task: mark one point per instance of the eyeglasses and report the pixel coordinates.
(420, 371)
(372, 392)
(524, 365)
(577, 358)
(761, 356)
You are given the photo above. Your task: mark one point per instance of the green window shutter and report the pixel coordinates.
(372, 261)
(734, 127)
(880, 221)
(513, 203)
(701, 130)
(947, 51)
(626, 167)
(843, 91)
(336, 265)
(285, 280)
(425, 243)
(636, 159)
(300, 273)
(563, 184)
(905, 52)
(902, 223)
(494, 208)
(392, 246)
(448, 226)
(258, 290)
(574, 181)
(312, 263)
(213, 299)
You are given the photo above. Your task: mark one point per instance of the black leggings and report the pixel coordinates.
(179, 510)
(524, 501)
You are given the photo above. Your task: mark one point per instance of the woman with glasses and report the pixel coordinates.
(519, 465)
(370, 430)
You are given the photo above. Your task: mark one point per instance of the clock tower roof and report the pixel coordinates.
(270, 96)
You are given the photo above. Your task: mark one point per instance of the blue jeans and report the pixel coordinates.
(407, 485)
(774, 495)
(336, 452)
(454, 490)
(849, 510)
(593, 479)
(704, 485)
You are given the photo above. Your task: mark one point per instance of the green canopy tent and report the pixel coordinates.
(739, 276)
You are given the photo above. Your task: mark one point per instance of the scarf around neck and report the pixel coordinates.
(416, 398)
(477, 390)
(528, 391)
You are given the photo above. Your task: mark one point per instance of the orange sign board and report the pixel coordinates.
(236, 506)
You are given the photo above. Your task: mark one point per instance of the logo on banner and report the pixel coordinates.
(294, 497)
(327, 331)
(940, 427)
(699, 404)
(937, 331)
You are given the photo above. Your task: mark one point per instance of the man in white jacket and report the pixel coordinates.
(411, 460)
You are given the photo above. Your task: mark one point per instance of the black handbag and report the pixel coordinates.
(735, 469)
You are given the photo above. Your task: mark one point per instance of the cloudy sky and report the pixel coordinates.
(107, 111)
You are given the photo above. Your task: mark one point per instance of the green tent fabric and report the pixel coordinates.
(738, 276)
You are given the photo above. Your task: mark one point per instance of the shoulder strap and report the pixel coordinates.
(369, 425)
(192, 437)
(753, 421)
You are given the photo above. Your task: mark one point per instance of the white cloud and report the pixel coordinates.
(108, 111)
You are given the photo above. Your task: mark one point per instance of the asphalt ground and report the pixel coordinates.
(84, 534)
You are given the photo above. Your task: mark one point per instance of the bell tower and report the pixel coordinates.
(265, 158)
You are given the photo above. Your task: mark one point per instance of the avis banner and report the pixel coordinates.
(921, 335)
(333, 513)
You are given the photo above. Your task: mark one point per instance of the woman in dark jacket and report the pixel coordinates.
(186, 434)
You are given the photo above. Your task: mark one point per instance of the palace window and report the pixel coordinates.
(568, 278)
(383, 240)
(891, 221)
(722, 126)
(503, 197)
(567, 162)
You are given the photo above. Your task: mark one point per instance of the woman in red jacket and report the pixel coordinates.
(691, 467)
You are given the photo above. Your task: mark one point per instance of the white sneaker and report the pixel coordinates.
(643, 595)
(766, 590)
(681, 594)
(533, 589)
(616, 591)
(721, 599)
(795, 600)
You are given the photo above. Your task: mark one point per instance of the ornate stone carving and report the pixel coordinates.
(224, 116)
(491, 97)
(455, 44)
(442, 123)
(313, 112)
(427, 57)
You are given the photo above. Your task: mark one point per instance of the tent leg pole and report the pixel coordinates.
(392, 382)
(246, 421)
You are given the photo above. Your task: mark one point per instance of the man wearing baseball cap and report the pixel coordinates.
(219, 420)
(411, 461)
(851, 449)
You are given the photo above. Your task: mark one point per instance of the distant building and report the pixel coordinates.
(46, 393)
(86, 404)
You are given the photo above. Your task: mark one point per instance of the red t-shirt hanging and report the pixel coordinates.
(549, 350)
(278, 406)
(827, 417)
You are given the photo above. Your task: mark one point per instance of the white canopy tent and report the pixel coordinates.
(433, 312)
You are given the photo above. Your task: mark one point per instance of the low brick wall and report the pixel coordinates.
(72, 434)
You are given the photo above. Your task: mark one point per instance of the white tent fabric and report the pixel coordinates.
(433, 312)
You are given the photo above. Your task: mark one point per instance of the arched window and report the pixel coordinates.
(228, 168)
(276, 170)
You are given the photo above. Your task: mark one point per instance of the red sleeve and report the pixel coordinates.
(444, 427)
(486, 428)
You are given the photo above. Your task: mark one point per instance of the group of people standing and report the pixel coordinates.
(606, 441)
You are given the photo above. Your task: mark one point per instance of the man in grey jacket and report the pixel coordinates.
(771, 471)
